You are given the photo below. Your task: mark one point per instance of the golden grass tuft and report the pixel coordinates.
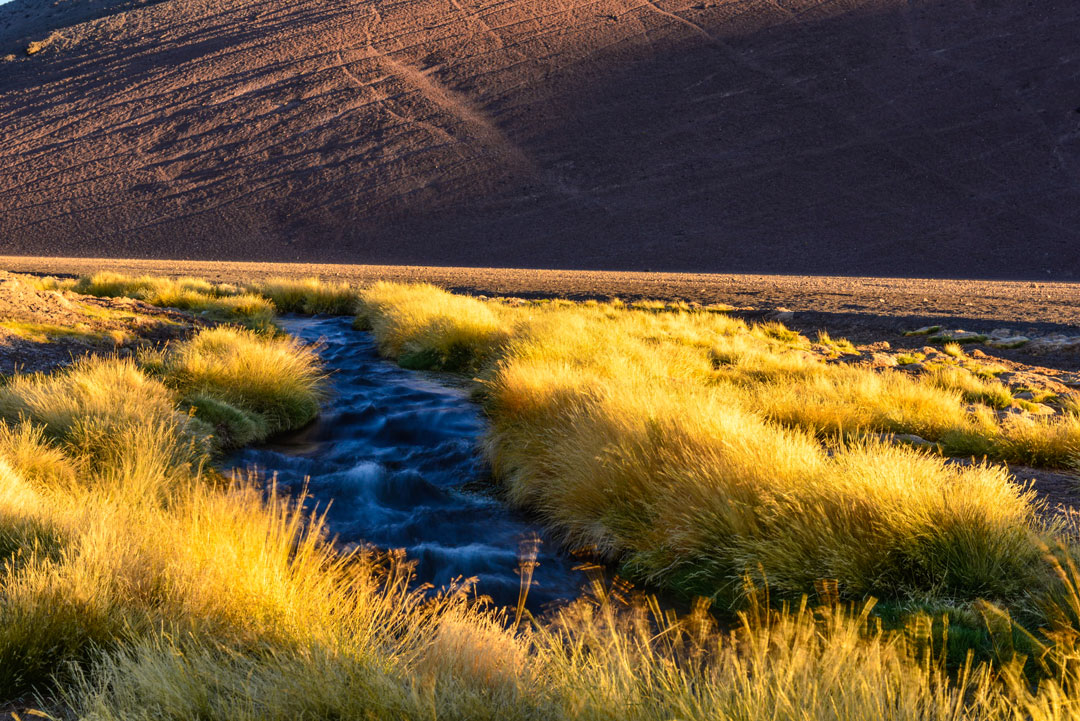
(252, 304)
(109, 417)
(639, 431)
(216, 301)
(449, 332)
(690, 446)
(307, 295)
(108, 531)
(275, 379)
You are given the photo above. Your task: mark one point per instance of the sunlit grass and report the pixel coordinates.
(135, 585)
(216, 301)
(252, 304)
(307, 295)
(448, 332)
(693, 447)
(47, 333)
(107, 414)
(107, 531)
(275, 382)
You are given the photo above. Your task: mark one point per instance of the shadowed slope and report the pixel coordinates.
(855, 137)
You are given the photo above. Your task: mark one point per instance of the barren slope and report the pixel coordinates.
(886, 137)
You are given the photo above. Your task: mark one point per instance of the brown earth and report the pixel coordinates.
(857, 137)
(43, 329)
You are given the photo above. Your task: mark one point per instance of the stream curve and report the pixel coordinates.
(395, 453)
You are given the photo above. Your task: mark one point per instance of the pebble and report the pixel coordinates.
(882, 360)
(958, 336)
(925, 330)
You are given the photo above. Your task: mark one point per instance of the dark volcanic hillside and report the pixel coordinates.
(889, 137)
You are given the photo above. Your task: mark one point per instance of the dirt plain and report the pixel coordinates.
(41, 330)
(857, 137)
(863, 309)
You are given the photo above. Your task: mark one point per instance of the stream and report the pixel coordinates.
(395, 453)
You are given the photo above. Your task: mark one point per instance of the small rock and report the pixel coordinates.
(1014, 341)
(782, 314)
(882, 360)
(1024, 395)
(925, 330)
(958, 336)
(1054, 343)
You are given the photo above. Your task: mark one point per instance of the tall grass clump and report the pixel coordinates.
(307, 295)
(105, 414)
(244, 383)
(690, 490)
(448, 332)
(595, 659)
(219, 302)
(109, 531)
(252, 304)
(695, 448)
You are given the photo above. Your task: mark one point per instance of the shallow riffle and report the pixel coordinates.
(396, 457)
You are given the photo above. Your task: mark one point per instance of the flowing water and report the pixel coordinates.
(395, 453)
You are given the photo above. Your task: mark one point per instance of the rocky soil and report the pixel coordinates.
(43, 329)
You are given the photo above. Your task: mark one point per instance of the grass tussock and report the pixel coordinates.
(693, 447)
(108, 414)
(253, 305)
(108, 532)
(449, 333)
(245, 384)
(307, 295)
(225, 601)
(216, 301)
(592, 662)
